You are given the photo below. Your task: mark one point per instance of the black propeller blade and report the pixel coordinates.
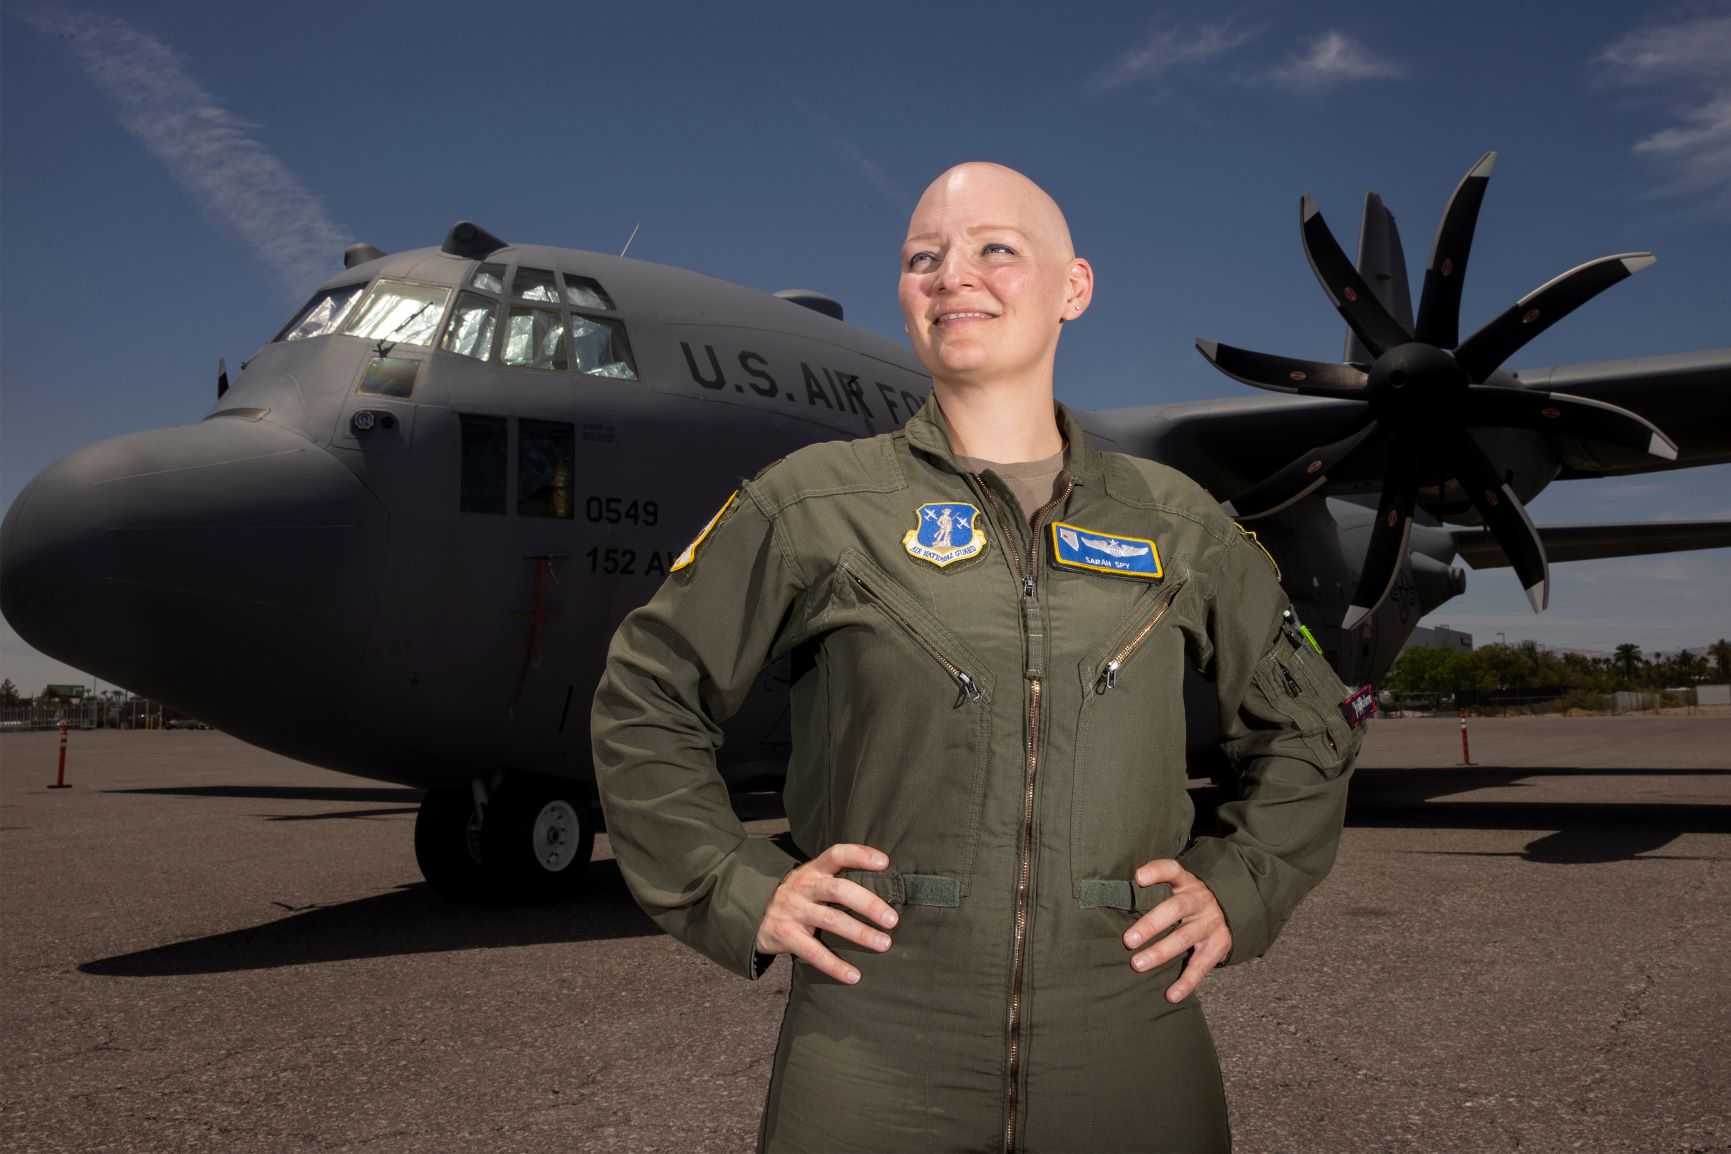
(1481, 353)
(1300, 477)
(1344, 286)
(1439, 308)
(1426, 388)
(1387, 549)
(1285, 374)
(1504, 515)
(1581, 417)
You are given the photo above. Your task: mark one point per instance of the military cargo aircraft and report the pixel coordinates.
(399, 542)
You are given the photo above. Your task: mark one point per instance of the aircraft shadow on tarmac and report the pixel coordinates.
(1578, 832)
(410, 919)
(413, 920)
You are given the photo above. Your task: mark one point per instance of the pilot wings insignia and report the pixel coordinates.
(1074, 547)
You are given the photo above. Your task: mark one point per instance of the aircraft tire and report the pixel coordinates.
(537, 838)
(448, 854)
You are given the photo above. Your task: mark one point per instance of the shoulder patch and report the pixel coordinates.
(1251, 537)
(1074, 547)
(690, 554)
(945, 532)
(1360, 707)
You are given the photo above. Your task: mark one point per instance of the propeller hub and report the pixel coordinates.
(1416, 382)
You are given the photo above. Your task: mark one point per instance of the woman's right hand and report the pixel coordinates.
(806, 900)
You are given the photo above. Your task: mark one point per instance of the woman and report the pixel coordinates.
(989, 748)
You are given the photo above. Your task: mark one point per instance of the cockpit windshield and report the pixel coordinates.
(322, 314)
(400, 312)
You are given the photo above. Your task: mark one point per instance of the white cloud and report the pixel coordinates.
(210, 151)
(851, 154)
(1334, 58)
(1169, 47)
(1686, 63)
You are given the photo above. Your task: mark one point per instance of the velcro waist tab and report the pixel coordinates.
(900, 889)
(1119, 894)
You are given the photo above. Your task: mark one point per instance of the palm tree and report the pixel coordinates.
(1720, 652)
(1627, 656)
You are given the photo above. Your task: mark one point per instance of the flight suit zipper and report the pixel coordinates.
(1109, 673)
(970, 688)
(1029, 580)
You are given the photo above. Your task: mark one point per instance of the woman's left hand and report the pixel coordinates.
(1201, 927)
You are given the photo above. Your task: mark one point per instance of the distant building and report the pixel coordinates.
(1439, 637)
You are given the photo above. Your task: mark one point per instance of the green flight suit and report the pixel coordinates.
(1011, 734)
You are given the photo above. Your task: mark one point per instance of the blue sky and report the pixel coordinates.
(175, 178)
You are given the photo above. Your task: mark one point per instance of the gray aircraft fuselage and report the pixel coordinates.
(399, 544)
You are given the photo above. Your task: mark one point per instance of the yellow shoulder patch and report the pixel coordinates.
(690, 554)
(1251, 537)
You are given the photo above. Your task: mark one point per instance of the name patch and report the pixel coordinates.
(1360, 707)
(1074, 547)
(944, 533)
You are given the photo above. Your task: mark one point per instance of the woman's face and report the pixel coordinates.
(987, 276)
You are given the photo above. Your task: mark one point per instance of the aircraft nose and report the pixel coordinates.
(229, 568)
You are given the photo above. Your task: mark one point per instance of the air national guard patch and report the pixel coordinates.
(1074, 547)
(690, 553)
(946, 532)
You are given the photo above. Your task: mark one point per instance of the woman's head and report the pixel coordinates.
(988, 276)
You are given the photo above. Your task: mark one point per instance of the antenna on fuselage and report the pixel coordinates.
(631, 238)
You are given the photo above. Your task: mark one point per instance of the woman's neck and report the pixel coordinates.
(997, 425)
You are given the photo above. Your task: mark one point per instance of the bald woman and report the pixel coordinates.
(999, 935)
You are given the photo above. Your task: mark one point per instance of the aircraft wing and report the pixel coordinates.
(1591, 542)
(1688, 395)
(1231, 444)
(1228, 445)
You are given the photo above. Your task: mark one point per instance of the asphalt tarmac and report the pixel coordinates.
(206, 947)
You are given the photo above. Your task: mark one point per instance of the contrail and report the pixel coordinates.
(209, 151)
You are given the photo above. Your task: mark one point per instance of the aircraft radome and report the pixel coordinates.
(398, 544)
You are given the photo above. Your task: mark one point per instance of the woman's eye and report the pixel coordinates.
(920, 258)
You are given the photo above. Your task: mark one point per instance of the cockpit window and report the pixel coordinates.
(534, 337)
(323, 313)
(400, 313)
(586, 292)
(534, 284)
(490, 277)
(471, 329)
(601, 347)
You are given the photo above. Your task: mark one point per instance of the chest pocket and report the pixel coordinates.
(909, 716)
(1128, 795)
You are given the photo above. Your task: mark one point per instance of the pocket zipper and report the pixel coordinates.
(970, 689)
(1109, 674)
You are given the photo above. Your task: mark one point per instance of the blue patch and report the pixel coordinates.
(945, 532)
(1074, 547)
(1360, 707)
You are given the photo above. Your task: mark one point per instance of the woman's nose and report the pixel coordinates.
(955, 272)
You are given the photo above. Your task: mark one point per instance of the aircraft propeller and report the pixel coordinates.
(1424, 388)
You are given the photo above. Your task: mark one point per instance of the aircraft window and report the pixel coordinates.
(582, 290)
(400, 313)
(602, 349)
(545, 453)
(534, 284)
(534, 337)
(471, 329)
(490, 277)
(483, 481)
(323, 313)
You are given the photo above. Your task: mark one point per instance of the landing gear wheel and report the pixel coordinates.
(537, 838)
(447, 848)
